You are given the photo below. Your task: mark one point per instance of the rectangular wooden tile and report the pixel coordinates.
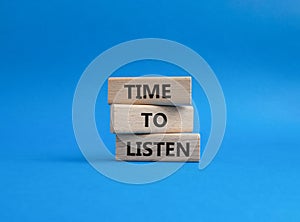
(150, 90)
(177, 147)
(151, 119)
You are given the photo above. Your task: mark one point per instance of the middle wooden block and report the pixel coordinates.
(151, 119)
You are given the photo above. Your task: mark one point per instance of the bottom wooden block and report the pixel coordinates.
(177, 147)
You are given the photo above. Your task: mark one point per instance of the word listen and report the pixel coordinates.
(150, 90)
(158, 147)
(155, 148)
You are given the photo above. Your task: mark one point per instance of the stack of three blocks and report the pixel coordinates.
(153, 119)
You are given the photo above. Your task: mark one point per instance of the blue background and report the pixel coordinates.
(254, 49)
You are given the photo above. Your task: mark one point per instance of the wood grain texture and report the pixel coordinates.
(177, 147)
(163, 90)
(163, 119)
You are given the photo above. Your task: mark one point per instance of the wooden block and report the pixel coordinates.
(150, 90)
(179, 147)
(151, 119)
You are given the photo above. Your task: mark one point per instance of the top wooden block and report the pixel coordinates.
(150, 90)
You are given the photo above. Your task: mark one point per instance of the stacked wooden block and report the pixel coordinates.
(153, 119)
